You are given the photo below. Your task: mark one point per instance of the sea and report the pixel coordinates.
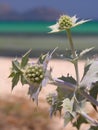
(90, 27)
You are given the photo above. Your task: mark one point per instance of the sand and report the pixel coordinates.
(60, 67)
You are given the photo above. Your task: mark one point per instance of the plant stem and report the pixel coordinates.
(91, 120)
(74, 55)
(68, 86)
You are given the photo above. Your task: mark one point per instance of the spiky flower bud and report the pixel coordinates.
(34, 74)
(65, 22)
(51, 98)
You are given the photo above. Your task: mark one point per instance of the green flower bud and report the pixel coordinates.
(40, 70)
(49, 99)
(65, 22)
(36, 67)
(32, 70)
(34, 74)
(37, 73)
(41, 76)
(37, 79)
(29, 75)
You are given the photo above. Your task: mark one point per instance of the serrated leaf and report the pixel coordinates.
(16, 65)
(69, 79)
(62, 90)
(85, 51)
(12, 74)
(78, 105)
(67, 118)
(56, 105)
(94, 93)
(25, 59)
(42, 58)
(67, 105)
(91, 76)
(86, 68)
(80, 120)
(34, 92)
(22, 79)
(15, 80)
(89, 119)
(88, 97)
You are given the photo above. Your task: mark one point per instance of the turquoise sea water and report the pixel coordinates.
(42, 27)
(13, 45)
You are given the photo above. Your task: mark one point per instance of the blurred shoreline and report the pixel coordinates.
(17, 45)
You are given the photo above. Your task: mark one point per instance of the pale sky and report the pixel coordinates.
(82, 8)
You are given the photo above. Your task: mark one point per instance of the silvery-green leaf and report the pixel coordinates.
(34, 92)
(67, 105)
(68, 78)
(80, 120)
(48, 58)
(56, 104)
(68, 89)
(88, 97)
(15, 80)
(25, 59)
(67, 118)
(53, 107)
(12, 74)
(85, 51)
(78, 101)
(42, 58)
(23, 80)
(61, 93)
(16, 65)
(89, 119)
(86, 67)
(64, 88)
(94, 93)
(91, 76)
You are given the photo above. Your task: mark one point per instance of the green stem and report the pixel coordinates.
(74, 55)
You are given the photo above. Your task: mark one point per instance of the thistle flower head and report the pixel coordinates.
(37, 75)
(66, 22)
(34, 74)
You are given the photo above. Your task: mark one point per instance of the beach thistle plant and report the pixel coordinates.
(72, 94)
(36, 75)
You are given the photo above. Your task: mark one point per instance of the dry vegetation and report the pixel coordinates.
(19, 114)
